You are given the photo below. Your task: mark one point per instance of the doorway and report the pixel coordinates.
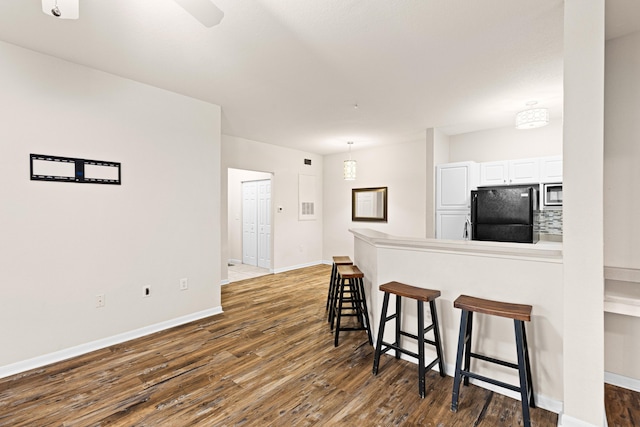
(250, 228)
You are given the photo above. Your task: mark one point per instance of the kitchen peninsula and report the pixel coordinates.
(513, 272)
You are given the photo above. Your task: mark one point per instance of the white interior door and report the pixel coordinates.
(249, 223)
(264, 223)
(256, 223)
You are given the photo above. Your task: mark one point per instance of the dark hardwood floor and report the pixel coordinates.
(269, 360)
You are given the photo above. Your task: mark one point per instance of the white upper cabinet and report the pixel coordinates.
(494, 173)
(510, 172)
(454, 182)
(525, 171)
(551, 169)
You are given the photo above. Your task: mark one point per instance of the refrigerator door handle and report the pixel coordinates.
(467, 226)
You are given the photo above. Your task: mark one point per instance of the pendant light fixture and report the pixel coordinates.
(532, 117)
(349, 166)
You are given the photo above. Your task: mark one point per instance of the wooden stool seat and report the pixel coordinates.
(333, 283)
(342, 260)
(494, 308)
(520, 313)
(350, 272)
(421, 296)
(409, 291)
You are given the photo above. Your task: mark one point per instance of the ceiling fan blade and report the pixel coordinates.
(203, 10)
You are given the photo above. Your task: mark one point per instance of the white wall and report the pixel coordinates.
(295, 243)
(437, 154)
(64, 243)
(234, 221)
(583, 284)
(507, 143)
(401, 168)
(621, 204)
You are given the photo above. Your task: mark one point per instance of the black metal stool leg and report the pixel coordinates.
(436, 334)
(398, 323)
(467, 350)
(331, 292)
(339, 312)
(421, 366)
(333, 277)
(365, 310)
(532, 402)
(383, 318)
(522, 370)
(459, 357)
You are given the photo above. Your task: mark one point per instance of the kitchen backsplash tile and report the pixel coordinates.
(549, 223)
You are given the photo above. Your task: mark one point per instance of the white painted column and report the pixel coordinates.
(583, 329)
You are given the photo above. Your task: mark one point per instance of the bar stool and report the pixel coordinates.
(520, 313)
(333, 283)
(350, 301)
(421, 296)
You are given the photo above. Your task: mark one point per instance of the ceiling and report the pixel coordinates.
(314, 74)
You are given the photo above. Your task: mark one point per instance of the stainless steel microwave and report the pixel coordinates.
(552, 194)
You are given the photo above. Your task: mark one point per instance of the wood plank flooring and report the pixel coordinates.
(622, 406)
(269, 360)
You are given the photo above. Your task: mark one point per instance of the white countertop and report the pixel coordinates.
(543, 250)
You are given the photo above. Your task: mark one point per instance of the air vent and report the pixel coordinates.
(307, 208)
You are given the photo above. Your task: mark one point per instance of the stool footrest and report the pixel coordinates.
(492, 360)
(415, 337)
(387, 346)
(362, 328)
(464, 373)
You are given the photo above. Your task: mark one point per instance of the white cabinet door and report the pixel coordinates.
(509, 172)
(454, 182)
(450, 225)
(525, 171)
(494, 173)
(551, 169)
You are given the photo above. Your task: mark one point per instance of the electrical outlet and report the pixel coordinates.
(184, 284)
(146, 291)
(99, 300)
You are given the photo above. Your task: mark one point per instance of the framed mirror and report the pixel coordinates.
(369, 204)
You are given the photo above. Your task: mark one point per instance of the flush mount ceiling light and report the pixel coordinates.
(349, 166)
(532, 117)
(63, 9)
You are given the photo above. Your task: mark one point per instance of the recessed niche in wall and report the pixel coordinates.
(71, 169)
(306, 197)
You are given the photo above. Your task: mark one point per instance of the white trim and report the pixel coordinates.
(622, 381)
(234, 261)
(296, 267)
(224, 282)
(542, 401)
(58, 356)
(568, 421)
(622, 274)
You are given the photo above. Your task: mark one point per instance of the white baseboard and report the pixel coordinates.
(568, 421)
(296, 267)
(622, 381)
(224, 282)
(542, 401)
(58, 356)
(234, 261)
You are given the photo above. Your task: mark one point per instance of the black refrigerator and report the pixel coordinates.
(504, 214)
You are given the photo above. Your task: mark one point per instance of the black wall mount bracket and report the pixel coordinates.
(71, 169)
